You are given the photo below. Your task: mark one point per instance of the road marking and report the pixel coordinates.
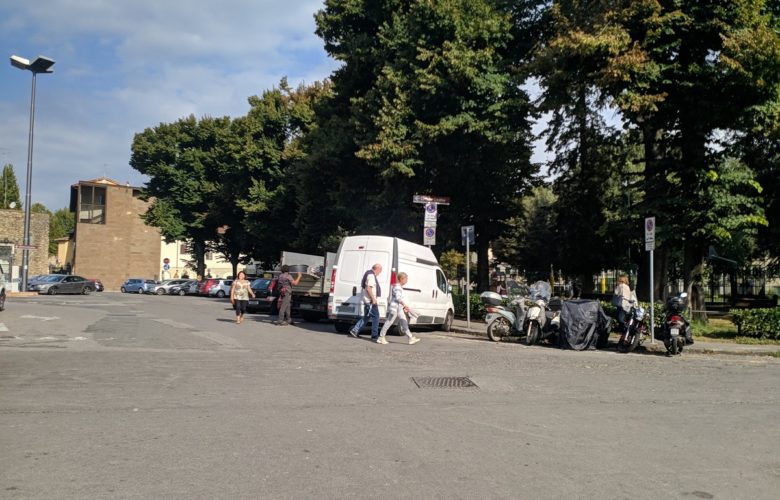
(42, 318)
(3, 328)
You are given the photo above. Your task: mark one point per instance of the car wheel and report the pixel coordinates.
(86, 290)
(123, 290)
(182, 293)
(221, 294)
(2, 301)
(52, 291)
(140, 290)
(160, 292)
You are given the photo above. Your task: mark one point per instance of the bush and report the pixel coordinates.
(477, 308)
(758, 323)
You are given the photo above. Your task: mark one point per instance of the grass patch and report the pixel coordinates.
(776, 354)
(723, 330)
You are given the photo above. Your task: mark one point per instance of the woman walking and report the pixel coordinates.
(239, 295)
(397, 310)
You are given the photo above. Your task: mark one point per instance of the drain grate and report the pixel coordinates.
(444, 382)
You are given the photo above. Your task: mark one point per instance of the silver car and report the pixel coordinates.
(62, 283)
(164, 288)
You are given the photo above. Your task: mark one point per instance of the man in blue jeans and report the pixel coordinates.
(369, 294)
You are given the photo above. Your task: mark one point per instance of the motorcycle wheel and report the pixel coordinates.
(673, 347)
(630, 343)
(499, 329)
(532, 333)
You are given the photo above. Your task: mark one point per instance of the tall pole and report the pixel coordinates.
(468, 283)
(28, 190)
(652, 302)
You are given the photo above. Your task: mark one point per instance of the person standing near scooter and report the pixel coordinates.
(622, 300)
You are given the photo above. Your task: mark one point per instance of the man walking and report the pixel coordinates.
(370, 292)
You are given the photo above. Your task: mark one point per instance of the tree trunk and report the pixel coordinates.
(483, 268)
(200, 258)
(694, 260)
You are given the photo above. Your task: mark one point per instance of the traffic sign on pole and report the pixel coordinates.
(429, 235)
(649, 234)
(467, 235)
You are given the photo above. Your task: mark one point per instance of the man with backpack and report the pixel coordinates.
(370, 292)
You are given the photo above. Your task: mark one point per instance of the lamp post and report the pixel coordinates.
(40, 64)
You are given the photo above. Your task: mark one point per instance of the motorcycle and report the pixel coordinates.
(676, 331)
(503, 322)
(634, 329)
(540, 322)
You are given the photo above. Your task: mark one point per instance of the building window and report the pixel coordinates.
(183, 248)
(208, 256)
(93, 205)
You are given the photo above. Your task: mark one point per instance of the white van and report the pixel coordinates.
(427, 289)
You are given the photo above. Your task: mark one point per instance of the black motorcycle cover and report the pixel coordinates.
(584, 325)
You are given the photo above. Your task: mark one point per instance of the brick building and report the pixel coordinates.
(112, 242)
(12, 234)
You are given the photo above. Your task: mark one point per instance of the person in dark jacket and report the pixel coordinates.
(285, 282)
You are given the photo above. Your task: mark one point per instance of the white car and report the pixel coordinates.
(221, 288)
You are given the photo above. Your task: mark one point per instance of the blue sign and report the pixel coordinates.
(166, 267)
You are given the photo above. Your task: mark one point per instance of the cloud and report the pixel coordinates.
(126, 65)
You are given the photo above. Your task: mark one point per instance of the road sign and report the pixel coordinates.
(430, 214)
(467, 234)
(27, 247)
(649, 234)
(166, 267)
(425, 198)
(166, 260)
(429, 235)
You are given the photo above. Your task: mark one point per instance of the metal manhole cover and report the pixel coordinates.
(443, 382)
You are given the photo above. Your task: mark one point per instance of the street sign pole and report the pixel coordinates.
(650, 247)
(468, 288)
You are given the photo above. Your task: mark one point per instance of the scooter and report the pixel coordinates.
(676, 332)
(503, 322)
(539, 321)
(634, 329)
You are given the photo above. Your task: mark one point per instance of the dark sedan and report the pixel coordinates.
(62, 283)
(264, 300)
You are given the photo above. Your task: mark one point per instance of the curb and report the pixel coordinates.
(22, 294)
(660, 349)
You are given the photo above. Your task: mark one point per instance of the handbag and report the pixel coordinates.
(617, 300)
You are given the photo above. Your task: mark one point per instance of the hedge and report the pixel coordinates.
(759, 323)
(477, 308)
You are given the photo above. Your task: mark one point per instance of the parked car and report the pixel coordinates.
(264, 300)
(221, 288)
(62, 283)
(205, 285)
(187, 287)
(97, 283)
(165, 287)
(137, 285)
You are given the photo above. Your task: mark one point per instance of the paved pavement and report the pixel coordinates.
(477, 329)
(128, 396)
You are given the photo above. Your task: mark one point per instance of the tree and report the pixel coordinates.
(61, 225)
(10, 188)
(179, 160)
(432, 98)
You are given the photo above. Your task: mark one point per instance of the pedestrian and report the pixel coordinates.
(622, 300)
(397, 309)
(369, 294)
(240, 292)
(176, 274)
(284, 283)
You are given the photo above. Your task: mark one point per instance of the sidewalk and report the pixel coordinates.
(478, 329)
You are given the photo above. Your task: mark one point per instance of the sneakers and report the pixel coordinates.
(353, 333)
(381, 340)
(414, 340)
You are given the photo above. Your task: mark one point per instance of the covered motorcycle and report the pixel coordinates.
(584, 325)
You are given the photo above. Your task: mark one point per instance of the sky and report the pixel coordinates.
(126, 65)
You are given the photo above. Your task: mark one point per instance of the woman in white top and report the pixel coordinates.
(397, 309)
(624, 296)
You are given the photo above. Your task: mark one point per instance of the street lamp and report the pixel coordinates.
(39, 65)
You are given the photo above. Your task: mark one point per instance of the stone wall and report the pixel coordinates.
(123, 247)
(12, 231)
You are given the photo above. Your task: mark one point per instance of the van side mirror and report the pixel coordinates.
(354, 291)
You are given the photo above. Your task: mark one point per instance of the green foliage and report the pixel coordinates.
(39, 208)
(10, 188)
(61, 224)
(477, 308)
(759, 323)
(451, 262)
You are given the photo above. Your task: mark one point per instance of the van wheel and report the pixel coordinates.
(341, 327)
(447, 325)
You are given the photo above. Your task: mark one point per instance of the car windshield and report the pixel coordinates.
(261, 283)
(51, 278)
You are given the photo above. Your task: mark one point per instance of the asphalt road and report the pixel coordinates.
(127, 396)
